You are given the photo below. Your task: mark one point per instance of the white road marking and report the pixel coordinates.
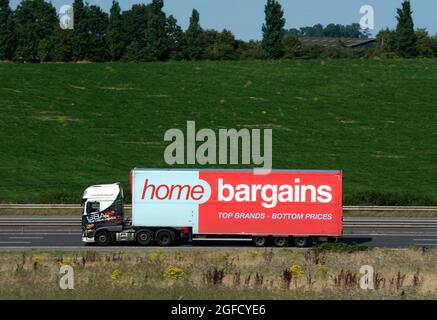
(222, 239)
(14, 242)
(424, 239)
(26, 238)
(426, 244)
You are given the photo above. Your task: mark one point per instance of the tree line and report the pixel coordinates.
(31, 33)
(332, 30)
(404, 41)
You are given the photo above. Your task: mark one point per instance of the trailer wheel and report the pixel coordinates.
(259, 241)
(301, 242)
(280, 241)
(333, 239)
(103, 238)
(144, 237)
(164, 238)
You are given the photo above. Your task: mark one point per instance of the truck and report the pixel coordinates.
(174, 206)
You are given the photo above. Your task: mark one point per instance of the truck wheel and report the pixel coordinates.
(333, 239)
(164, 238)
(301, 242)
(280, 241)
(144, 237)
(259, 241)
(103, 238)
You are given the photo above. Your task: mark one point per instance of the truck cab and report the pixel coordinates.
(104, 223)
(103, 213)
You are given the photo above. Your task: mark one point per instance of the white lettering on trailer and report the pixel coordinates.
(272, 194)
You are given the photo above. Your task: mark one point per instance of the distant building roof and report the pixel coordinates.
(336, 42)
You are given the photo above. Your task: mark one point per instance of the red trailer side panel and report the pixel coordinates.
(239, 201)
(280, 203)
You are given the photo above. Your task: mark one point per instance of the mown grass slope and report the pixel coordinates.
(64, 127)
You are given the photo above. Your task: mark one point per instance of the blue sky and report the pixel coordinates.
(245, 17)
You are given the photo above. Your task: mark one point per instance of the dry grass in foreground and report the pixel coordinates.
(220, 274)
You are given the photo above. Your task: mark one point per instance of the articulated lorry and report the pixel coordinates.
(284, 207)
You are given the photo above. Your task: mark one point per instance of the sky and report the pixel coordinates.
(245, 17)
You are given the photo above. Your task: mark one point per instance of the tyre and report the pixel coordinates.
(144, 237)
(333, 239)
(103, 238)
(164, 238)
(280, 241)
(301, 242)
(259, 241)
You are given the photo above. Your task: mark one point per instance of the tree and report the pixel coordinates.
(89, 34)
(385, 43)
(193, 35)
(273, 29)
(177, 41)
(35, 21)
(97, 23)
(80, 31)
(227, 45)
(44, 49)
(250, 50)
(7, 35)
(292, 47)
(115, 33)
(426, 45)
(135, 22)
(315, 31)
(406, 39)
(134, 30)
(219, 45)
(331, 30)
(61, 48)
(157, 44)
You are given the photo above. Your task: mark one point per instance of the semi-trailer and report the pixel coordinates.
(171, 206)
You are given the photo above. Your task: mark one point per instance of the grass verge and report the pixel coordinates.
(320, 273)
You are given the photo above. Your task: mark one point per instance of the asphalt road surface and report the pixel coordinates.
(375, 232)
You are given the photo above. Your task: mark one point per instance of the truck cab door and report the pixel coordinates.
(104, 212)
(88, 220)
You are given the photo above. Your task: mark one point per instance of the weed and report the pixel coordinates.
(174, 273)
(214, 276)
(116, 274)
(340, 247)
(346, 279)
(287, 275)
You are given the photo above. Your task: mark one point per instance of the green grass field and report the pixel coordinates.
(64, 127)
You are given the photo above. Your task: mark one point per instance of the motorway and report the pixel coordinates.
(64, 233)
